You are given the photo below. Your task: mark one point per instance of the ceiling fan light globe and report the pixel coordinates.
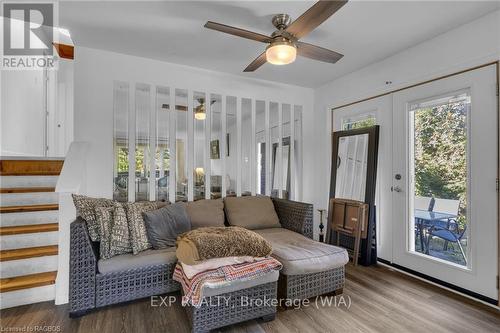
(200, 115)
(281, 53)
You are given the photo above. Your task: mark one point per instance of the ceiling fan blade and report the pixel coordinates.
(317, 53)
(237, 32)
(313, 17)
(259, 61)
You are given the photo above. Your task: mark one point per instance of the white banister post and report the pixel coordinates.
(71, 180)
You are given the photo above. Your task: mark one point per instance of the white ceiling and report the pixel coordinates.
(365, 32)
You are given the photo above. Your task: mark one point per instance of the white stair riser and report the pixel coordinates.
(12, 219)
(28, 266)
(28, 181)
(25, 199)
(27, 296)
(10, 242)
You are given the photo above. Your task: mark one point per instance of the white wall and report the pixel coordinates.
(22, 114)
(472, 44)
(94, 73)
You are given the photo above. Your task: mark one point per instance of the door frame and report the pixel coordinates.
(495, 63)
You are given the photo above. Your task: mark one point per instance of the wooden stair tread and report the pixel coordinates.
(28, 208)
(26, 189)
(30, 167)
(27, 281)
(28, 229)
(28, 252)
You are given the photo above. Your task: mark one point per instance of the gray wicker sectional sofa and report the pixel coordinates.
(310, 269)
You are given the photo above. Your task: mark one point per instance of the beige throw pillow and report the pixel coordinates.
(206, 213)
(251, 212)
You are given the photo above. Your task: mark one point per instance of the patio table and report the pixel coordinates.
(425, 219)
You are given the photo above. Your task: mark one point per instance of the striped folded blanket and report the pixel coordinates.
(221, 276)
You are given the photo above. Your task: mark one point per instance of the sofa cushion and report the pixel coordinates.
(137, 229)
(251, 212)
(235, 285)
(302, 255)
(206, 213)
(86, 208)
(142, 260)
(165, 224)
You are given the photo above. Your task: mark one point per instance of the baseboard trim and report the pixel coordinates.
(484, 299)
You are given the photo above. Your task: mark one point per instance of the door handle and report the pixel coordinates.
(396, 189)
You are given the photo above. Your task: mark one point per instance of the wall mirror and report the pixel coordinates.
(353, 177)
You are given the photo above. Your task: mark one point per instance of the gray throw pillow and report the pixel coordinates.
(165, 224)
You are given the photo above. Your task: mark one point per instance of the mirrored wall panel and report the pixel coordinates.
(297, 153)
(260, 148)
(173, 144)
(162, 153)
(231, 140)
(142, 136)
(246, 147)
(120, 140)
(216, 139)
(181, 144)
(274, 126)
(200, 105)
(286, 132)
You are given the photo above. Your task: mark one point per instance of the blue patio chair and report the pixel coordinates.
(450, 234)
(421, 203)
(448, 229)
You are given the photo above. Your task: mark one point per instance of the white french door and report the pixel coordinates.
(376, 111)
(444, 180)
(437, 159)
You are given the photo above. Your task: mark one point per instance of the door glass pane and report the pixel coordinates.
(439, 177)
(200, 116)
(246, 146)
(142, 151)
(366, 120)
(215, 147)
(274, 133)
(231, 142)
(260, 149)
(162, 143)
(120, 140)
(181, 178)
(298, 152)
(285, 150)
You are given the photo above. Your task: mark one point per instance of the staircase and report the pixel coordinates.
(28, 230)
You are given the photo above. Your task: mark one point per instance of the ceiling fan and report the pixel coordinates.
(284, 44)
(200, 110)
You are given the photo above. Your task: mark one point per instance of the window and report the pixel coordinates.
(358, 122)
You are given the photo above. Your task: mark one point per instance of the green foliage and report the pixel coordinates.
(368, 122)
(441, 153)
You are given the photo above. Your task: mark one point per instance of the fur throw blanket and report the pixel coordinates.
(217, 242)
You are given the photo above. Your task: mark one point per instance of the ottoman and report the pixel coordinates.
(239, 301)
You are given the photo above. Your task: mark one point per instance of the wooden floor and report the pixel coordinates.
(381, 300)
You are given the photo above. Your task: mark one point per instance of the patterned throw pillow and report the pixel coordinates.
(136, 226)
(120, 235)
(86, 208)
(104, 217)
(115, 237)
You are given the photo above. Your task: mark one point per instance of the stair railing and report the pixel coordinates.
(72, 179)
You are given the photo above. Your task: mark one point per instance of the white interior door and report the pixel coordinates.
(452, 123)
(376, 111)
